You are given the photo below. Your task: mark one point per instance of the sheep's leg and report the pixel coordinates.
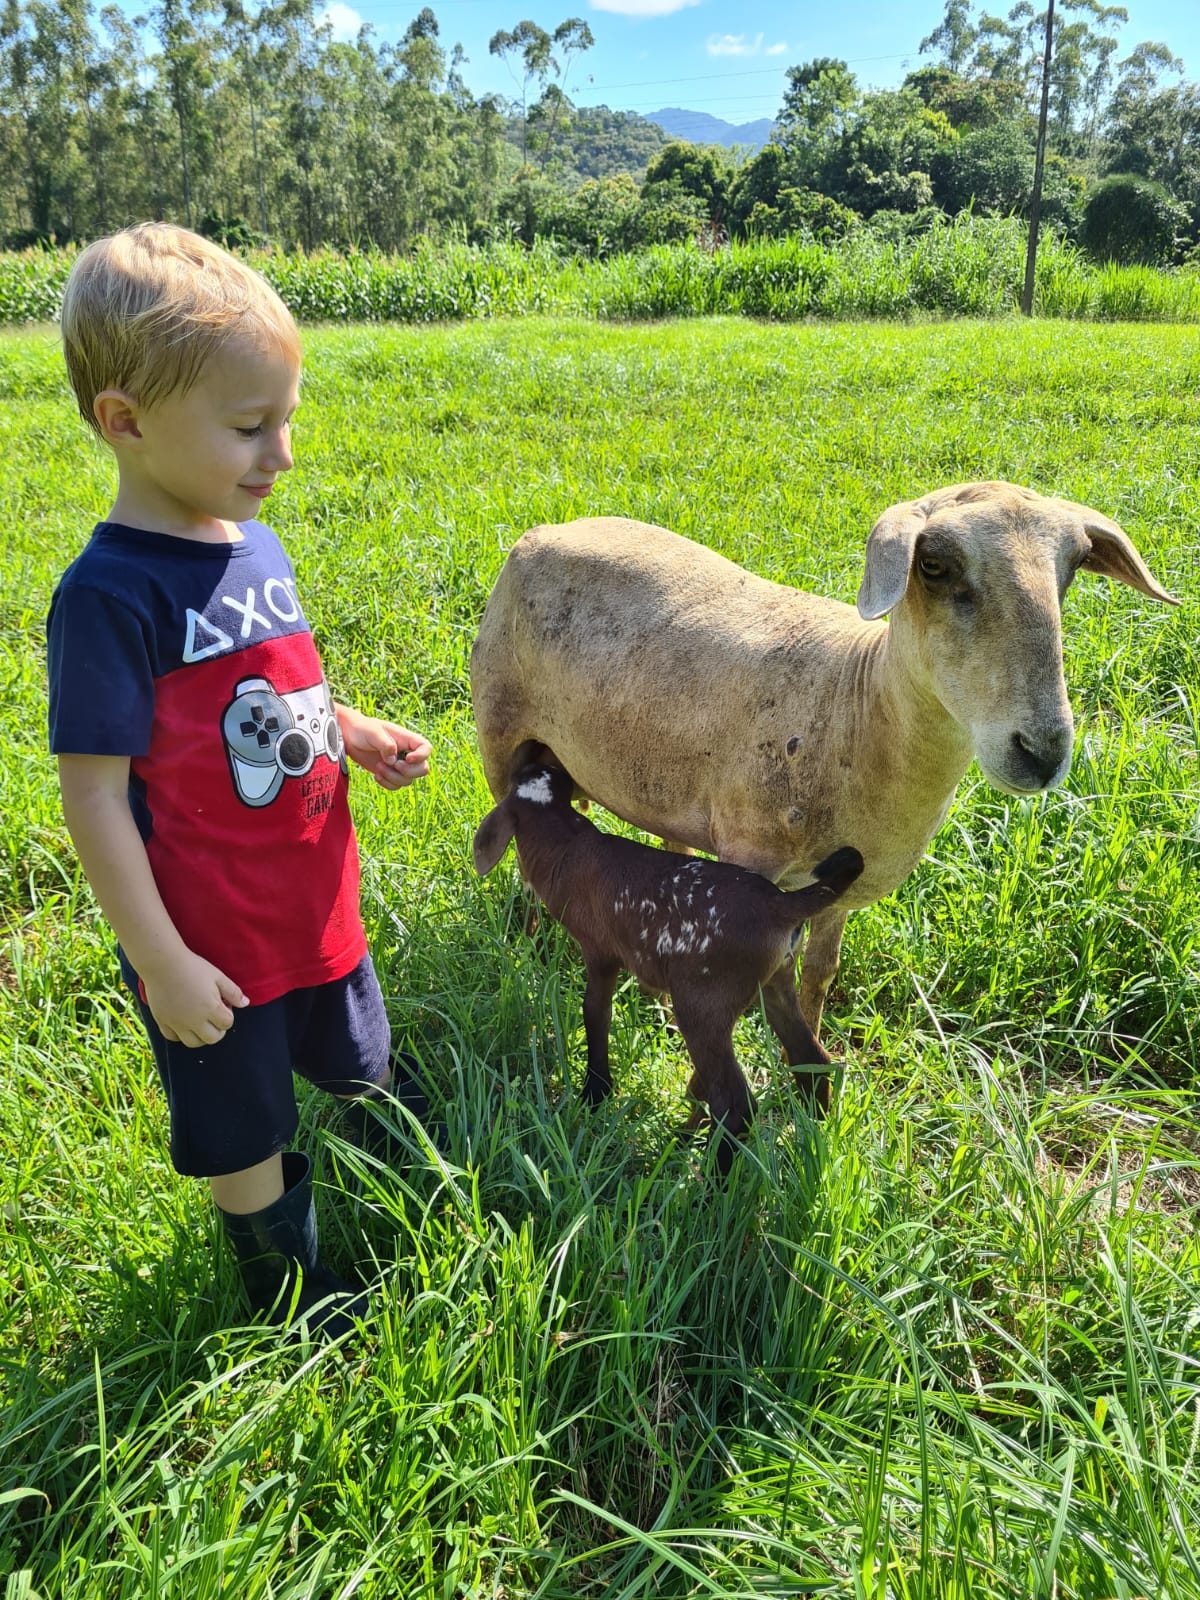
(717, 1078)
(802, 1049)
(597, 1022)
(822, 952)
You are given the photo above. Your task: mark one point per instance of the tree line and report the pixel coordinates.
(257, 126)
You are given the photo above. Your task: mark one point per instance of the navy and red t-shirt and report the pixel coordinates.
(195, 661)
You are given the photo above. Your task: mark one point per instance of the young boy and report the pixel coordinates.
(201, 758)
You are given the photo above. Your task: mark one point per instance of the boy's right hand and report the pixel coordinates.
(192, 1001)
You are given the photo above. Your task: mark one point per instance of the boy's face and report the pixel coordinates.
(195, 462)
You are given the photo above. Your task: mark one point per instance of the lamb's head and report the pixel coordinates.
(974, 577)
(537, 790)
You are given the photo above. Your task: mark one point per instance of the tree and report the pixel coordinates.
(1010, 49)
(987, 170)
(954, 37)
(968, 104)
(883, 159)
(36, 86)
(535, 48)
(186, 47)
(420, 117)
(702, 171)
(570, 38)
(801, 212)
(1149, 130)
(244, 34)
(817, 102)
(755, 190)
(1081, 68)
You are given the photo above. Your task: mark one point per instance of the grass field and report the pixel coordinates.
(945, 1345)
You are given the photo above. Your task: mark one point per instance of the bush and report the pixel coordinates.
(1131, 221)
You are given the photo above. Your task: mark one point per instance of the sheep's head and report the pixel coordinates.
(974, 577)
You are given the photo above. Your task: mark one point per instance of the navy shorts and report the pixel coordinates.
(233, 1103)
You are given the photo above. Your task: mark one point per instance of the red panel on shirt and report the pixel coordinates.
(252, 844)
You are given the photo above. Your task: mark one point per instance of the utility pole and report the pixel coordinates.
(1035, 200)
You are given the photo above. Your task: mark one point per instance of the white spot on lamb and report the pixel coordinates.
(537, 789)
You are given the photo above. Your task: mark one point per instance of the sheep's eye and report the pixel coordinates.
(932, 568)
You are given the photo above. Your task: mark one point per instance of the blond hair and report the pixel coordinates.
(145, 308)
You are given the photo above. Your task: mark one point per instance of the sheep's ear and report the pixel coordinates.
(889, 559)
(493, 837)
(1114, 556)
(891, 541)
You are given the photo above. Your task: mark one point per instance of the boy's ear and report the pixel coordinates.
(116, 413)
(492, 838)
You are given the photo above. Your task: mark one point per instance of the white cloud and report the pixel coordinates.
(643, 8)
(779, 49)
(342, 19)
(733, 44)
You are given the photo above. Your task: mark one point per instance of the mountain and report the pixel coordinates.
(697, 127)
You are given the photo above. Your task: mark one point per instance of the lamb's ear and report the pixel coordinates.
(493, 837)
(1114, 556)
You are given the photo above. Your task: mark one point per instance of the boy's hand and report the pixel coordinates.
(393, 756)
(192, 1001)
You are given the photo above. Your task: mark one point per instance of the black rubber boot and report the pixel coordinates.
(372, 1124)
(280, 1263)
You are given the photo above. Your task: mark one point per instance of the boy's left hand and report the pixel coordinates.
(394, 756)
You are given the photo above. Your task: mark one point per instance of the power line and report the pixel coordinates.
(745, 72)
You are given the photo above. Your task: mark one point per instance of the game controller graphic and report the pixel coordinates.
(271, 736)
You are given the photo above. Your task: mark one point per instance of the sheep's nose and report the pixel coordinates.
(1042, 754)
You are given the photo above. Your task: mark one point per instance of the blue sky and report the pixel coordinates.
(726, 57)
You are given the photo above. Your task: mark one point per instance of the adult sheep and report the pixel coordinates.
(769, 726)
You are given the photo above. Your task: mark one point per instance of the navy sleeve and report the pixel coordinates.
(101, 679)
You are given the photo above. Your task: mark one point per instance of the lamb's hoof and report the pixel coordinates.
(697, 1119)
(594, 1092)
(814, 1090)
(727, 1147)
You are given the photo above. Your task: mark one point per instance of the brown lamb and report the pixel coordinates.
(705, 932)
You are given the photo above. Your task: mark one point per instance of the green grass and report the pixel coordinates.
(946, 1345)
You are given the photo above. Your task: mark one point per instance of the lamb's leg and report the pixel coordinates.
(717, 1078)
(597, 1021)
(802, 1049)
